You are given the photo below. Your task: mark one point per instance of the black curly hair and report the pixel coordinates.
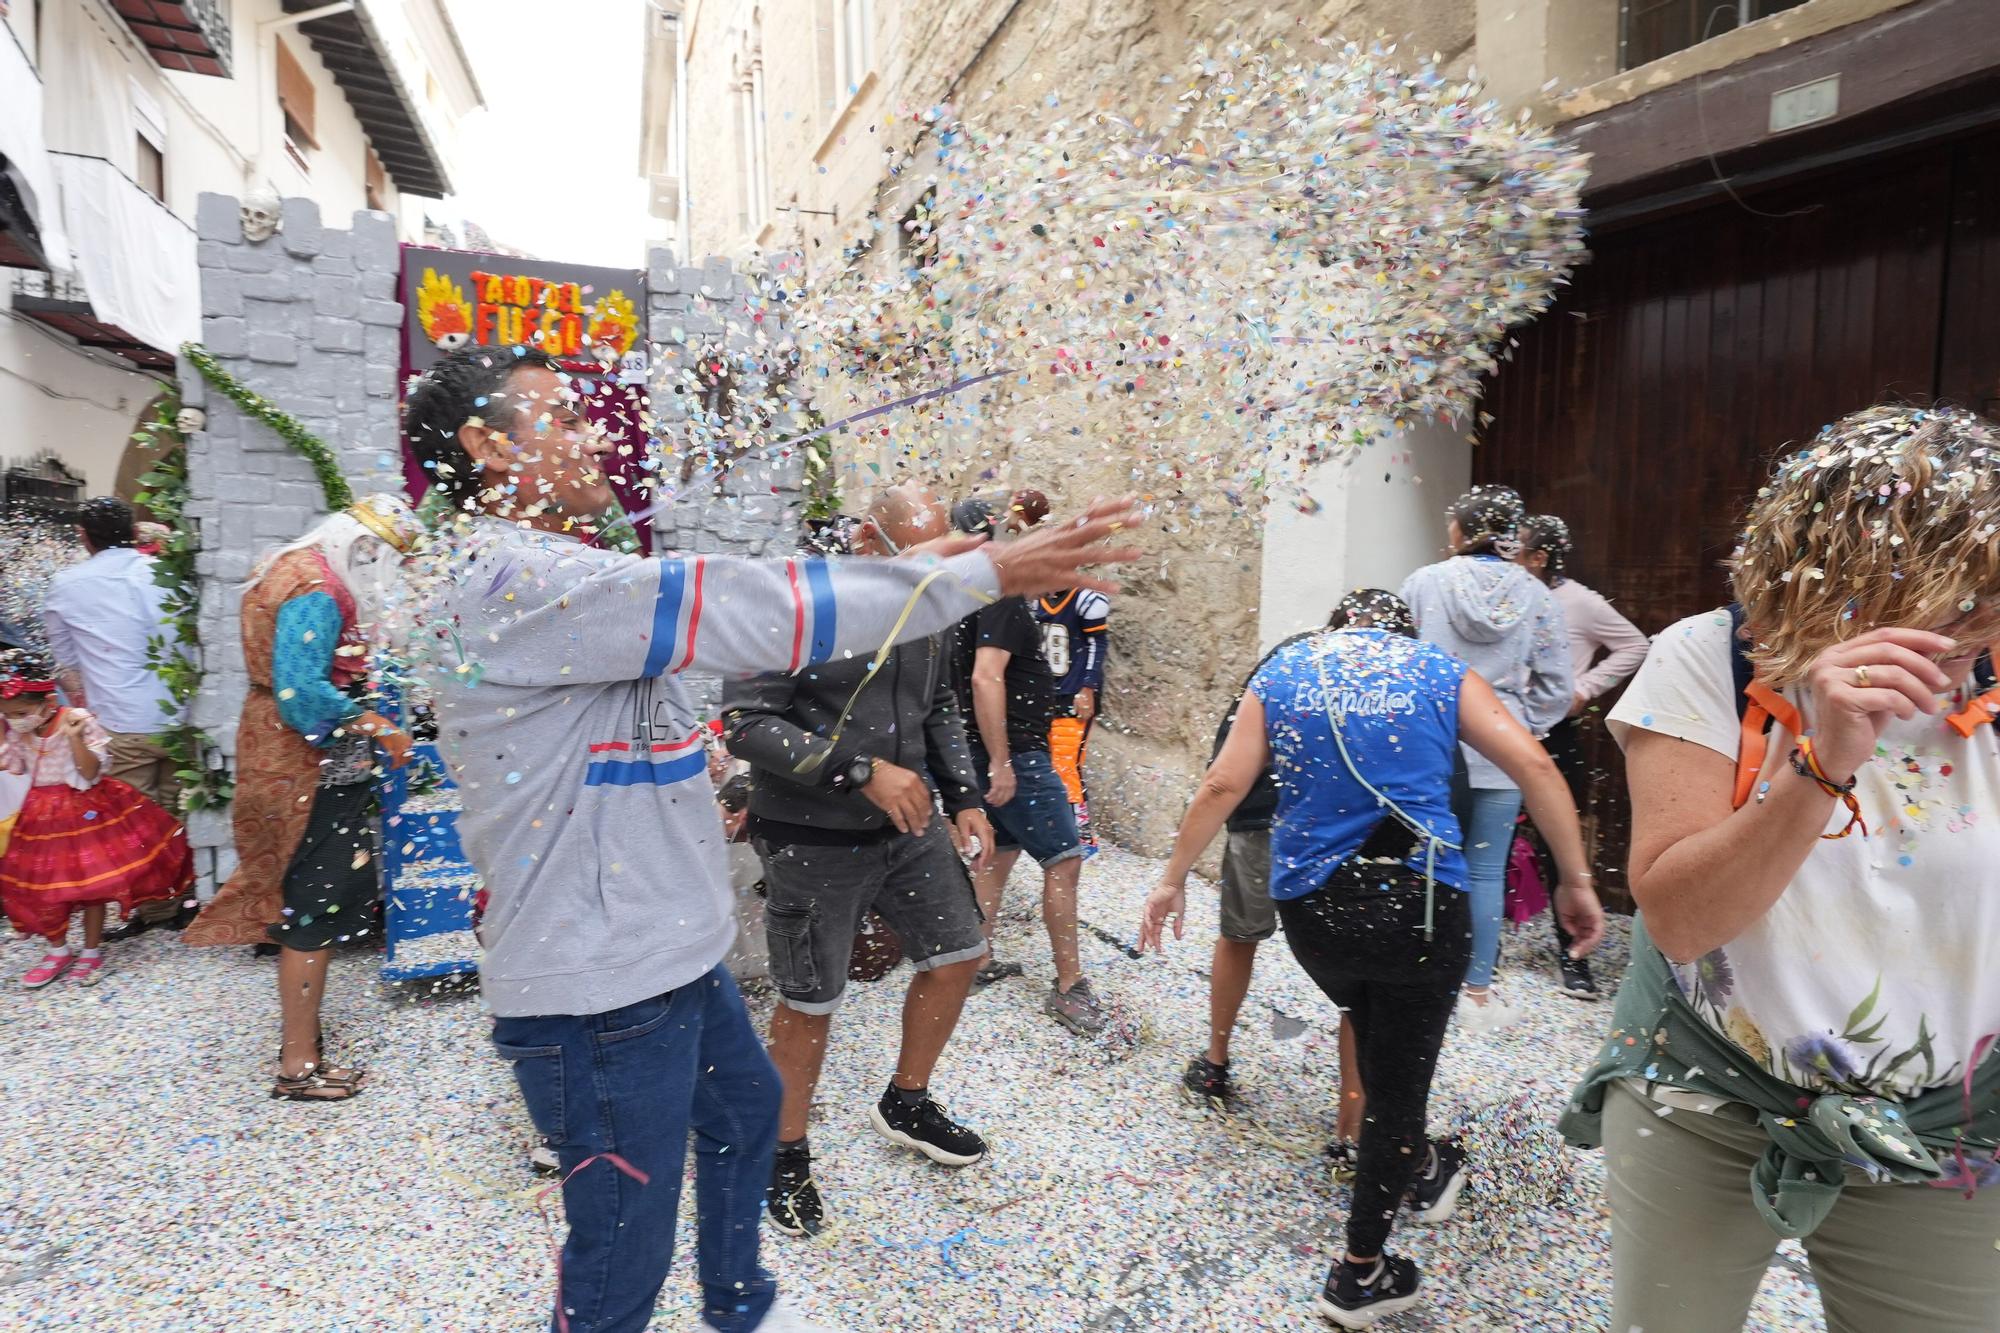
(25, 664)
(1489, 518)
(1374, 608)
(1549, 534)
(451, 393)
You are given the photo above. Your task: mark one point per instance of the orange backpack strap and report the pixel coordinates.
(1765, 707)
(1976, 714)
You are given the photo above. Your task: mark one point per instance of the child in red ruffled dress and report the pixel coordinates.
(81, 840)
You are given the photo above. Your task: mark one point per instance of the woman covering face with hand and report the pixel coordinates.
(1803, 1046)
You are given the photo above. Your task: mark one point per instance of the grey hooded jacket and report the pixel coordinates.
(784, 726)
(1503, 622)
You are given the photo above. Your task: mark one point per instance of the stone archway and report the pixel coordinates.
(142, 450)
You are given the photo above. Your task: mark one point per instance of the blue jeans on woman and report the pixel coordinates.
(1489, 837)
(632, 1082)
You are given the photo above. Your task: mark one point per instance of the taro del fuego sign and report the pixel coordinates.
(587, 318)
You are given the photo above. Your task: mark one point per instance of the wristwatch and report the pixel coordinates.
(858, 771)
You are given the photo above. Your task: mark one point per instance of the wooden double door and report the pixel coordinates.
(1646, 406)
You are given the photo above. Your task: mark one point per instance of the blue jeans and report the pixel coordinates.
(1039, 817)
(1489, 836)
(633, 1082)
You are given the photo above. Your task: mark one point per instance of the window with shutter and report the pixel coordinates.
(296, 101)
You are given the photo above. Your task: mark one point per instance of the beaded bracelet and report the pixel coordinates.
(1806, 764)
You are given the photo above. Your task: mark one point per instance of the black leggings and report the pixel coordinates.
(1360, 937)
(1565, 745)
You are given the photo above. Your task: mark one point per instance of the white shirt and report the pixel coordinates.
(1876, 968)
(101, 616)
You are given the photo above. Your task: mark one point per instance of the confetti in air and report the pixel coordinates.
(1311, 252)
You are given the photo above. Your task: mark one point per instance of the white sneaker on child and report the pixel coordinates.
(1483, 1020)
(784, 1317)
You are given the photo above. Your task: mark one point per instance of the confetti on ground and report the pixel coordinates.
(157, 1189)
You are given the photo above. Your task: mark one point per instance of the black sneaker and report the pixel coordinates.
(1577, 982)
(926, 1128)
(1356, 1297)
(1434, 1193)
(793, 1199)
(1209, 1085)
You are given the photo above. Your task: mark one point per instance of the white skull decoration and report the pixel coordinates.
(189, 420)
(261, 217)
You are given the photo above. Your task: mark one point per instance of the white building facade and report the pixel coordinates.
(116, 115)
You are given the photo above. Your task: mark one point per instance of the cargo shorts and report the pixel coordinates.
(1248, 914)
(816, 899)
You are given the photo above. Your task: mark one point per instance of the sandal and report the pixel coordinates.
(333, 1086)
(317, 1083)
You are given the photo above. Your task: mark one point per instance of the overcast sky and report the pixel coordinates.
(551, 164)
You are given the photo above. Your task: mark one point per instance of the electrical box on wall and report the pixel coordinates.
(1806, 104)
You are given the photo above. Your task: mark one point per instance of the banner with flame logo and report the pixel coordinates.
(587, 318)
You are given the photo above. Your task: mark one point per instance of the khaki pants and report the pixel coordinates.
(138, 761)
(1689, 1248)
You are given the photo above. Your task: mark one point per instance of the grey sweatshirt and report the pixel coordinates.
(588, 810)
(1501, 621)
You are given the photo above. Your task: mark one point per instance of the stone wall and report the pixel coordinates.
(753, 507)
(309, 319)
(1186, 629)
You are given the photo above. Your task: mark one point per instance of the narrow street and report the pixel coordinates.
(1107, 1204)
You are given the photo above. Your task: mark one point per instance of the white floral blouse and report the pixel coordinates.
(1878, 969)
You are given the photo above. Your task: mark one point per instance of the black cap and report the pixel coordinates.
(973, 515)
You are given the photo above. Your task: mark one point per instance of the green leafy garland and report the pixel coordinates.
(307, 445)
(205, 781)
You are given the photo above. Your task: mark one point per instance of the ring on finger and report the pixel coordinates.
(1861, 676)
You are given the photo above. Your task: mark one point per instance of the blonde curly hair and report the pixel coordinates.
(1890, 517)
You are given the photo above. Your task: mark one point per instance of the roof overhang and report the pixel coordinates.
(353, 49)
(62, 305)
(187, 35)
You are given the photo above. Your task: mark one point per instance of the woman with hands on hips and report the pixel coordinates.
(1360, 726)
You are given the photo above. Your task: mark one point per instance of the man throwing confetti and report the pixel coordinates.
(589, 813)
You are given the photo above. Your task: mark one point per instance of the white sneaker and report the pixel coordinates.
(1483, 1020)
(784, 1317)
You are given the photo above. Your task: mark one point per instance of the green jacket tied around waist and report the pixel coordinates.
(1657, 1037)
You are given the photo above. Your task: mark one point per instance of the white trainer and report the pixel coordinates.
(1483, 1020)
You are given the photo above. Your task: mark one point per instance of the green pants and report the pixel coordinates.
(1688, 1247)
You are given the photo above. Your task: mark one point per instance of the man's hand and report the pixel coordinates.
(395, 742)
(1577, 703)
(970, 828)
(1052, 556)
(1000, 782)
(902, 795)
(1086, 705)
(1167, 902)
